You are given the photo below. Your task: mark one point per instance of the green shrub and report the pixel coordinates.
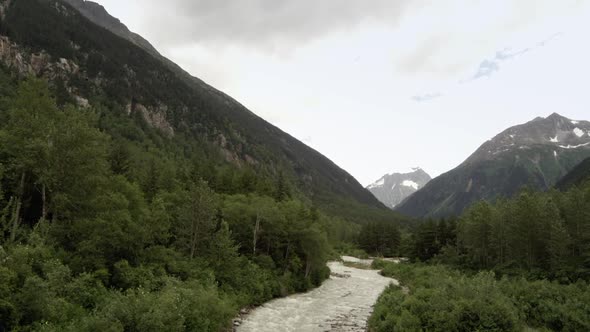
(442, 299)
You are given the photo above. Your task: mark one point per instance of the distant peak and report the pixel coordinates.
(392, 189)
(555, 116)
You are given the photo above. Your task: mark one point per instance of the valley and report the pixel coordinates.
(136, 197)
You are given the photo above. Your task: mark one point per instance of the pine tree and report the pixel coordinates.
(197, 222)
(282, 191)
(120, 158)
(476, 233)
(151, 184)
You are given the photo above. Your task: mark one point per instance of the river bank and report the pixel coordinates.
(342, 303)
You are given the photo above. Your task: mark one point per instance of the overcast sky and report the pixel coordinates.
(384, 85)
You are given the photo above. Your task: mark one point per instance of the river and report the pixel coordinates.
(342, 303)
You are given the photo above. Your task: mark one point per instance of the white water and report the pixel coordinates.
(342, 303)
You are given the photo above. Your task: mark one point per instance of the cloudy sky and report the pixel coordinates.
(384, 85)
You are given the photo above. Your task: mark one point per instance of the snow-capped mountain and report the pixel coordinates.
(535, 154)
(392, 189)
(554, 131)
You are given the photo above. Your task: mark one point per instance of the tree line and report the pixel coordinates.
(539, 234)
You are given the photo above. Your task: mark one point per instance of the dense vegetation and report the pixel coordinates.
(380, 238)
(543, 235)
(437, 298)
(105, 224)
(534, 250)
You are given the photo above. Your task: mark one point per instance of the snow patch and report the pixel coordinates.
(555, 154)
(394, 185)
(574, 146)
(578, 132)
(554, 139)
(377, 184)
(575, 122)
(410, 183)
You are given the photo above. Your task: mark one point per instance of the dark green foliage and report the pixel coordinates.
(99, 230)
(544, 234)
(525, 241)
(537, 234)
(380, 238)
(430, 238)
(442, 299)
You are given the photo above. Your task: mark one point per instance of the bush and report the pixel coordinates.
(442, 299)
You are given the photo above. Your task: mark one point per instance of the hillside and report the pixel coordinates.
(123, 71)
(535, 154)
(576, 177)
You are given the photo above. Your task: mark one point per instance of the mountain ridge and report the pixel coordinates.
(534, 154)
(96, 13)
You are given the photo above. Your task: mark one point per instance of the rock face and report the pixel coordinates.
(25, 63)
(535, 154)
(155, 116)
(392, 189)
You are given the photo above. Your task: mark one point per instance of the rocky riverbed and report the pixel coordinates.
(342, 303)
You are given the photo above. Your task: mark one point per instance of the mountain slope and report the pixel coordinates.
(95, 65)
(392, 189)
(98, 15)
(577, 176)
(535, 154)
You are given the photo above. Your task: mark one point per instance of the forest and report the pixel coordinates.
(107, 224)
(516, 264)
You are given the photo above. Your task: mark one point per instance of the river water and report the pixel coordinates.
(342, 303)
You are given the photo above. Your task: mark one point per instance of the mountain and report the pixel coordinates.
(392, 189)
(535, 154)
(577, 176)
(92, 59)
